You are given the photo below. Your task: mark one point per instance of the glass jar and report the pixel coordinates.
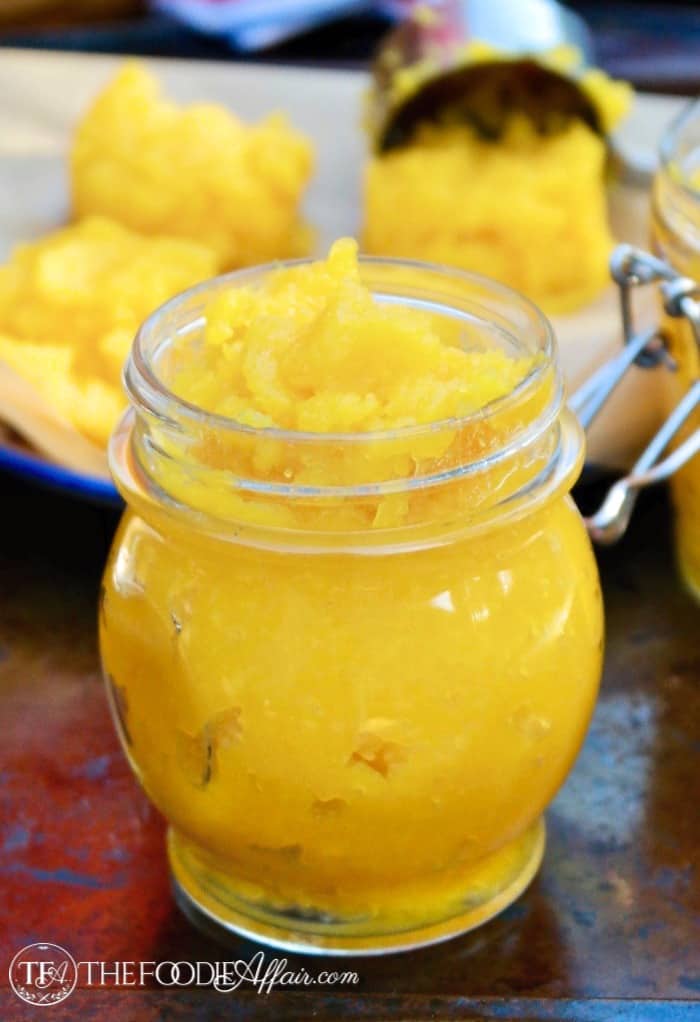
(353, 687)
(676, 238)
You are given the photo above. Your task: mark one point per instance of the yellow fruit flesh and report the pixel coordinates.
(71, 303)
(529, 210)
(194, 172)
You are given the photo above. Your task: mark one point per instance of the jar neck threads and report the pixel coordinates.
(469, 471)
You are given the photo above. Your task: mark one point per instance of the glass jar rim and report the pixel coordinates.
(146, 389)
(670, 139)
(156, 452)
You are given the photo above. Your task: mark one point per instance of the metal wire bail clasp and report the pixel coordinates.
(632, 268)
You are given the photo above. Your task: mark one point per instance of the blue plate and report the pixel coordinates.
(34, 469)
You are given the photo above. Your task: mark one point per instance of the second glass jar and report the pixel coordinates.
(676, 238)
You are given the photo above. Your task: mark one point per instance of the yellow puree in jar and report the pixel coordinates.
(313, 352)
(368, 735)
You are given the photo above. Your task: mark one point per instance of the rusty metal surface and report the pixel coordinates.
(609, 930)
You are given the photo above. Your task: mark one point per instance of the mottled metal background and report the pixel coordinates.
(609, 930)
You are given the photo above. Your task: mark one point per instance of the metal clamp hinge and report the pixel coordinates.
(632, 268)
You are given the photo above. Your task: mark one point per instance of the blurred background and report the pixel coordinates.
(655, 45)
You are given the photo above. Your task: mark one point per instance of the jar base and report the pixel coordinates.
(222, 913)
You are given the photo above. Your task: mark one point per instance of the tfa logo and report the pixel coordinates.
(43, 974)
